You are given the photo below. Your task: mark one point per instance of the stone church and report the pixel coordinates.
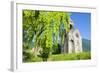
(72, 40)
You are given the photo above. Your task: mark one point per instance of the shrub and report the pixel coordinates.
(44, 54)
(56, 49)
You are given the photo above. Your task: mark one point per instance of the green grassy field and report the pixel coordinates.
(64, 57)
(74, 56)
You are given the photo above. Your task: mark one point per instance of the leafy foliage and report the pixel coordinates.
(44, 29)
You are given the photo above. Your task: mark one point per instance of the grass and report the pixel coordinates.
(74, 56)
(64, 57)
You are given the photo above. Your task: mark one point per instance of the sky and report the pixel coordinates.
(82, 21)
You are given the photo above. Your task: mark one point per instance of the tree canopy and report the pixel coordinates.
(44, 28)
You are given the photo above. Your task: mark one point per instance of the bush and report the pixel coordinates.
(44, 54)
(56, 49)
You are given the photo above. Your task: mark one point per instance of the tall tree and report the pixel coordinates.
(47, 26)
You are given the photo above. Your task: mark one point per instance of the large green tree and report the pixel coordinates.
(44, 29)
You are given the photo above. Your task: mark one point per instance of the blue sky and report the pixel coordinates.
(82, 21)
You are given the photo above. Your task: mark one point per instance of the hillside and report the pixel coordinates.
(86, 44)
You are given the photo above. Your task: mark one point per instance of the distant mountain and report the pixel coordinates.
(86, 44)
